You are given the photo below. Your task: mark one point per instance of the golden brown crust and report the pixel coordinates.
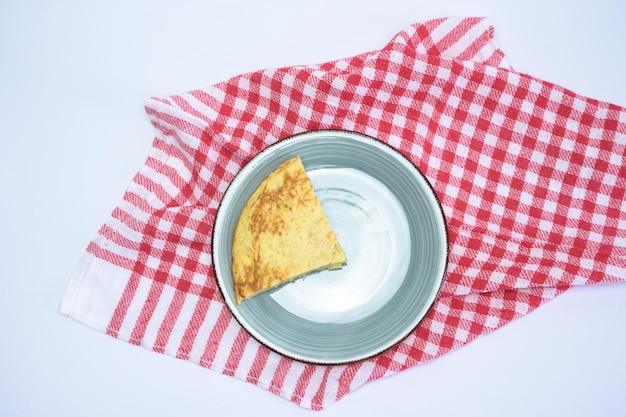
(282, 233)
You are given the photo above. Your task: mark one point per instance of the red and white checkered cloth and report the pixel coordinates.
(531, 176)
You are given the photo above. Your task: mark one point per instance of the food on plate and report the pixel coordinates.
(282, 233)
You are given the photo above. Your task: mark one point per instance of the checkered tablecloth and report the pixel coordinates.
(531, 177)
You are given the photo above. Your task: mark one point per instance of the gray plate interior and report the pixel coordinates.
(409, 278)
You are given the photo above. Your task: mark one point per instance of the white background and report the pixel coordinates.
(73, 79)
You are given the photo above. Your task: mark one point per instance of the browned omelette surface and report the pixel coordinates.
(282, 233)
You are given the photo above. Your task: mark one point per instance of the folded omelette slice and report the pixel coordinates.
(282, 233)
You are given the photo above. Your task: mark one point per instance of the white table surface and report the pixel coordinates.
(73, 80)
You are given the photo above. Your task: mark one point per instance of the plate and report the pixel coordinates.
(389, 222)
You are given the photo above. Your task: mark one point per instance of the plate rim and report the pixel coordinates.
(401, 335)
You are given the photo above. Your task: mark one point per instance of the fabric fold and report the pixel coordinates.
(530, 176)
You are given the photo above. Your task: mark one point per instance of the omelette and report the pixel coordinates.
(282, 233)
